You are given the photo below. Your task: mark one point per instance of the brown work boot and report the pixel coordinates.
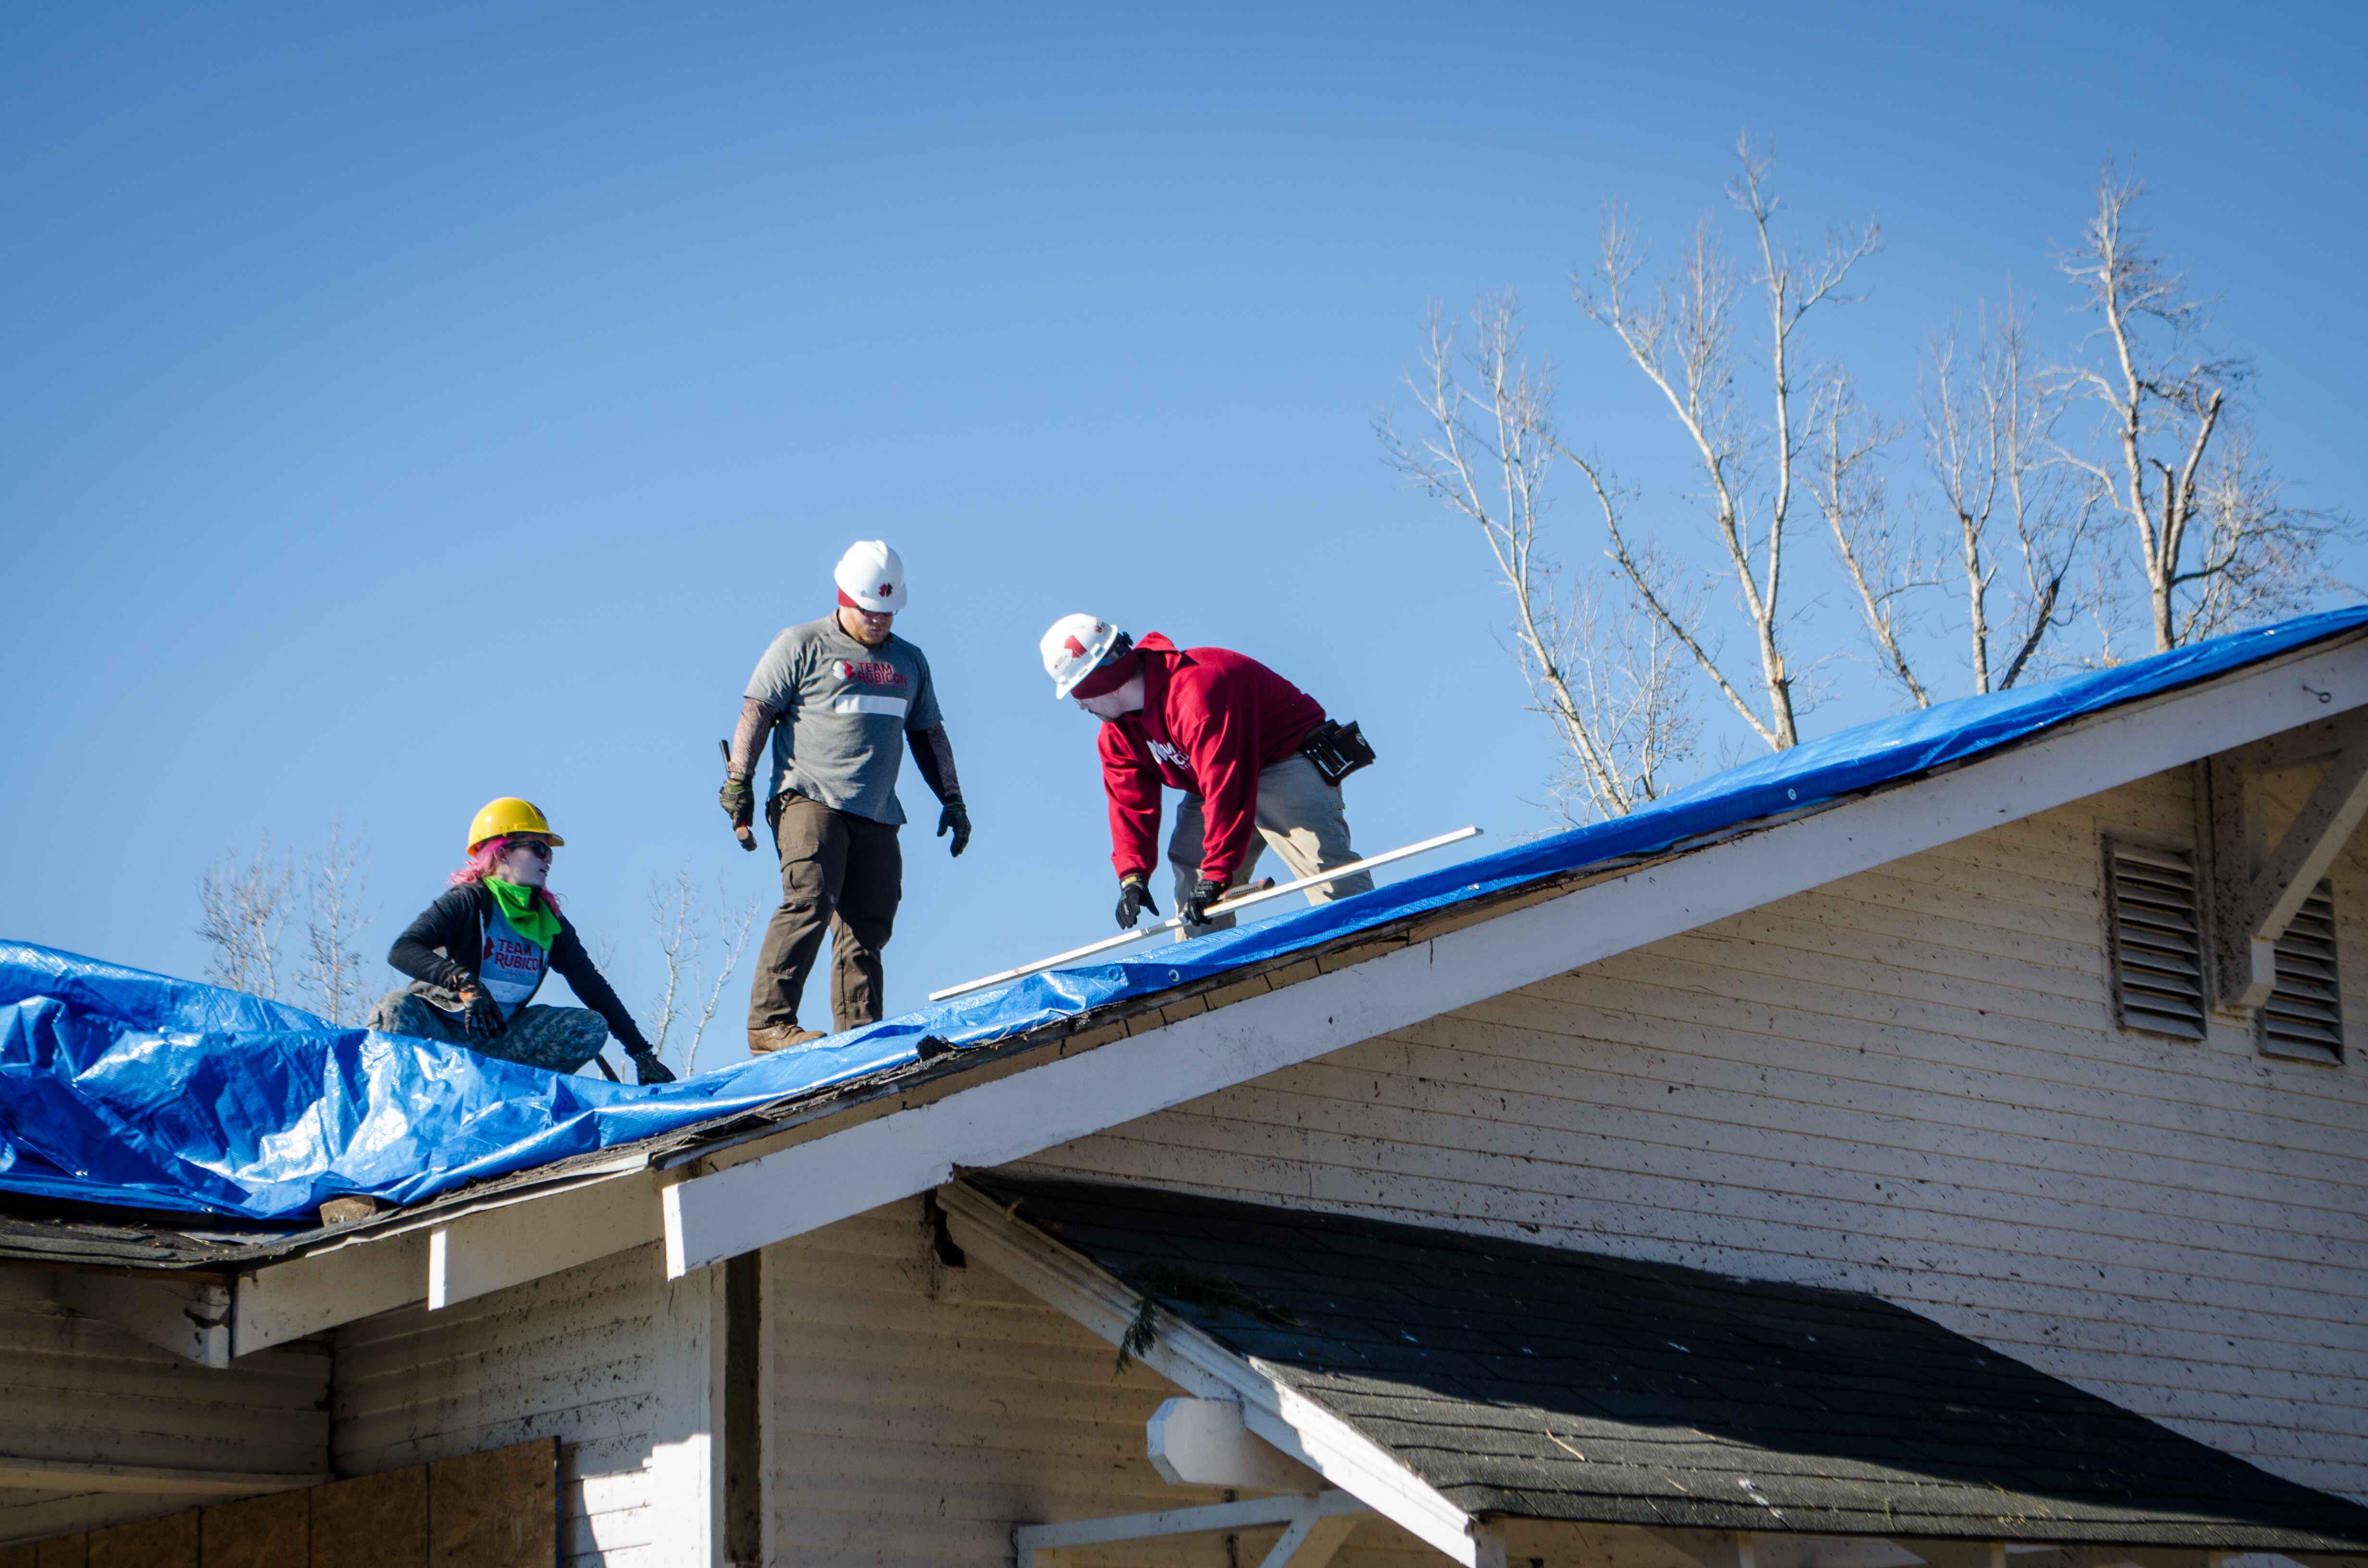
(781, 1037)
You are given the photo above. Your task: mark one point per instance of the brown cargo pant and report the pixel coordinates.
(1299, 815)
(839, 872)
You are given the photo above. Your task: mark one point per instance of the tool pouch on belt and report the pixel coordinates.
(1337, 750)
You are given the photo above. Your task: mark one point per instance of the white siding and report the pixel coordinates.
(77, 1390)
(1907, 1082)
(565, 1357)
(916, 1413)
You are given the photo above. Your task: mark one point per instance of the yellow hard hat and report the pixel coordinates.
(509, 814)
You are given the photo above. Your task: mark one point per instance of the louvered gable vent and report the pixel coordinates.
(2156, 939)
(2304, 1015)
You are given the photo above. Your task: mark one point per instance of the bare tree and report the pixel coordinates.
(2216, 542)
(733, 924)
(683, 936)
(1988, 446)
(1630, 686)
(243, 916)
(1879, 554)
(2260, 557)
(334, 880)
(2003, 533)
(1683, 341)
(1487, 447)
(245, 907)
(674, 910)
(1991, 448)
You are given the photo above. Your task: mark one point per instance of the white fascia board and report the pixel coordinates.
(21, 1472)
(186, 1313)
(490, 1249)
(387, 1265)
(305, 1295)
(787, 1193)
(1187, 1357)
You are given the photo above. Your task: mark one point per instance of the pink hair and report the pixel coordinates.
(482, 862)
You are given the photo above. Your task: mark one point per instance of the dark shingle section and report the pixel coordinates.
(1533, 1381)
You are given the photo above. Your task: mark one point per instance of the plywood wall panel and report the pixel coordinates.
(496, 1509)
(371, 1519)
(169, 1542)
(262, 1532)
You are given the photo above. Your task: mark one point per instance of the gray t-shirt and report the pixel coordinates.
(844, 710)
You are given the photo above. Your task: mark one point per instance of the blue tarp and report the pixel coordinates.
(119, 1086)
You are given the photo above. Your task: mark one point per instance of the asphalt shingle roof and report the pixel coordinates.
(1539, 1383)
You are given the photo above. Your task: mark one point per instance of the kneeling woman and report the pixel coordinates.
(478, 954)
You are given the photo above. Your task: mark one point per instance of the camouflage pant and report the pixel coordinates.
(558, 1039)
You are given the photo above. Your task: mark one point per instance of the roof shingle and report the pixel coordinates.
(1540, 1382)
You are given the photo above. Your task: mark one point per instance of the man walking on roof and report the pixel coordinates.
(840, 696)
(1257, 761)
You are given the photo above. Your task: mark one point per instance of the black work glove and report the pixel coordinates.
(649, 1069)
(738, 801)
(483, 1018)
(1134, 897)
(955, 819)
(1196, 909)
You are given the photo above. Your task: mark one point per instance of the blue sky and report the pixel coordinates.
(408, 406)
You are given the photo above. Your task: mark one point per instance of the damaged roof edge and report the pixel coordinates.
(1388, 977)
(803, 1115)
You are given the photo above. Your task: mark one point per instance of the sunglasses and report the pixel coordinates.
(537, 845)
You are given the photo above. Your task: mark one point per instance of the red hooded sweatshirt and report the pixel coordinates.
(1210, 719)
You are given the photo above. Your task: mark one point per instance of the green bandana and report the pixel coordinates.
(536, 921)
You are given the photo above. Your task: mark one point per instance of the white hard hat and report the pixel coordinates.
(1072, 647)
(871, 576)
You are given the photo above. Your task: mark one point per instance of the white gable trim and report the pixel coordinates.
(1187, 1357)
(773, 1197)
(446, 1254)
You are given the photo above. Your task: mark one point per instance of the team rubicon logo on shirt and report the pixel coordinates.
(870, 671)
(514, 952)
(509, 965)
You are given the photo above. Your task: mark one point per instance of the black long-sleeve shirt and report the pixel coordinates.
(443, 948)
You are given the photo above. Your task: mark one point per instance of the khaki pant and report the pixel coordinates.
(1298, 814)
(842, 873)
